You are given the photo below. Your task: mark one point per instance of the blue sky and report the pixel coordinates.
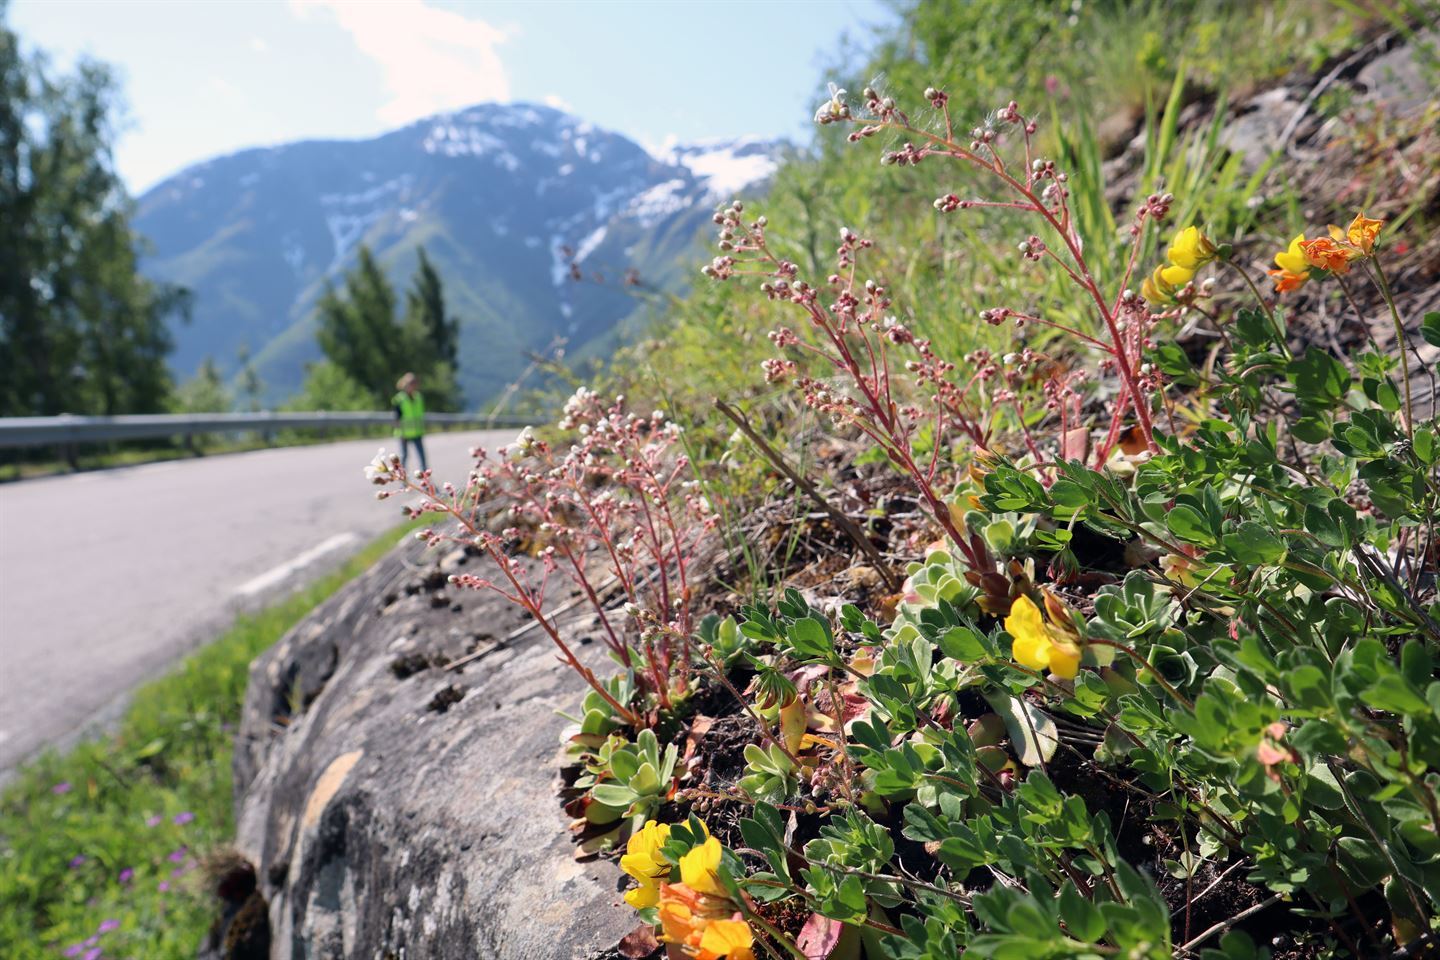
(207, 77)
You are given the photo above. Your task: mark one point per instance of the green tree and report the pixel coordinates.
(434, 337)
(205, 392)
(358, 332)
(252, 388)
(327, 387)
(426, 316)
(87, 333)
(366, 343)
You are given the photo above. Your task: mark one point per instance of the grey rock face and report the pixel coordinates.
(397, 810)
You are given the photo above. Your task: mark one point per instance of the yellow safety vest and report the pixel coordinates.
(412, 415)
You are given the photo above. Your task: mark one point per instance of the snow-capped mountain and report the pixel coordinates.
(532, 216)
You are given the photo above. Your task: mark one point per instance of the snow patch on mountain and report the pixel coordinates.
(588, 245)
(659, 202)
(349, 215)
(727, 166)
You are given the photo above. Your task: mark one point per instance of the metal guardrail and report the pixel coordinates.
(68, 430)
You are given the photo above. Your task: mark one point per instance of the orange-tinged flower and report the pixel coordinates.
(702, 927)
(1361, 233)
(1327, 254)
(700, 867)
(731, 939)
(1285, 281)
(681, 914)
(1035, 645)
(1294, 268)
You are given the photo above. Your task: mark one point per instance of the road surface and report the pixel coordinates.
(107, 578)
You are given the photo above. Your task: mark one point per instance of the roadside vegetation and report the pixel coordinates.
(1020, 543)
(103, 847)
(1069, 482)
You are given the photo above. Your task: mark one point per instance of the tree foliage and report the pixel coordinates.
(366, 343)
(205, 392)
(85, 331)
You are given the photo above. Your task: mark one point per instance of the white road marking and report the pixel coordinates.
(275, 576)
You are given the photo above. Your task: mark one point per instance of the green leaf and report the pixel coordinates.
(1319, 378)
(810, 638)
(1032, 733)
(1189, 525)
(613, 795)
(1309, 687)
(1392, 693)
(1430, 329)
(1253, 545)
(1324, 527)
(961, 643)
(1082, 918)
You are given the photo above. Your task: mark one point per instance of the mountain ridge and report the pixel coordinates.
(511, 201)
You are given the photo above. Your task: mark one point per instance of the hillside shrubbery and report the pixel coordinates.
(1163, 682)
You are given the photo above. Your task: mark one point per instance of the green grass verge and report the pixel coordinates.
(111, 832)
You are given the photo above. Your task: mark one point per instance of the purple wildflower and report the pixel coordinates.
(154, 821)
(77, 861)
(164, 886)
(107, 925)
(92, 954)
(177, 855)
(62, 787)
(74, 949)
(183, 818)
(127, 875)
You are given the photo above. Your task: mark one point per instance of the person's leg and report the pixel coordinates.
(405, 454)
(420, 449)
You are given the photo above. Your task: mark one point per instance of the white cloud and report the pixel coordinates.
(558, 102)
(431, 59)
(259, 45)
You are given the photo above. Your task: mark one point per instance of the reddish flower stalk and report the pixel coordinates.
(1042, 191)
(618, 500)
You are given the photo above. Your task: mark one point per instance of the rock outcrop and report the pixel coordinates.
(396, 809)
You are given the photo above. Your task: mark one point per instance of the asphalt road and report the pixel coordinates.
(107, 578)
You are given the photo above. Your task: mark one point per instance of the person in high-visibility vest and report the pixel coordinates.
(409, 406)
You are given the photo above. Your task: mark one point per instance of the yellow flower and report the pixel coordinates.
(1036, 646)
(726, 938)
(1191, 249)
(1176, 276)
(644, 861)
(1293, 260)
(1361, 233)
(645, 895)
(1159, 291)
(699, 867)
(1294, 266)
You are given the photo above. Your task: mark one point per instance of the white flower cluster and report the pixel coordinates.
(382, 469)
